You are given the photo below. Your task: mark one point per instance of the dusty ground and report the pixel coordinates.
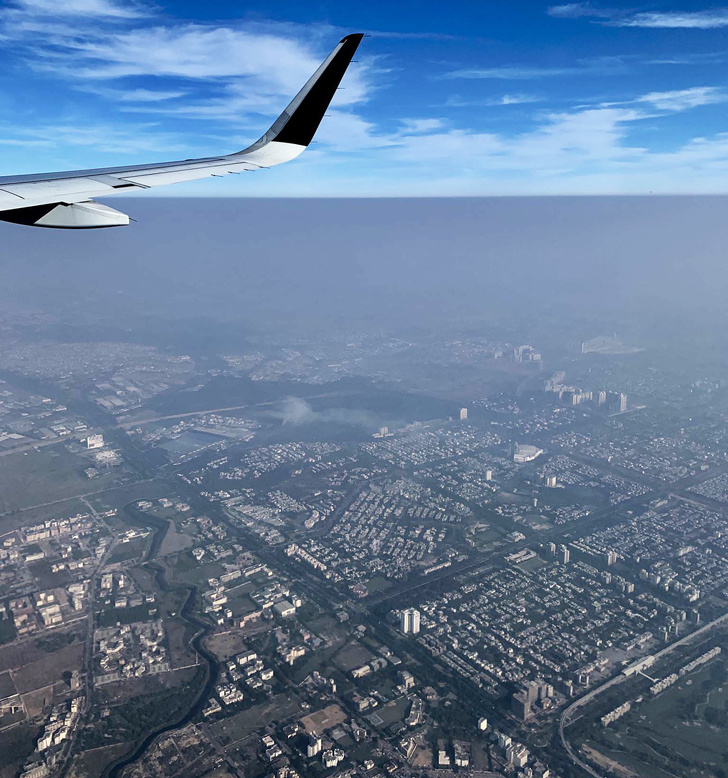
(49, 668)
(226, 645)
(175, 541)
(323, 719)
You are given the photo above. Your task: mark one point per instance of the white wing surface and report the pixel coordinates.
(63, 200)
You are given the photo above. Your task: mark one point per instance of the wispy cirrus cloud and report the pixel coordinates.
(123, 40)
(696, 20)
(418, 126)
(62, 138)
(139, 95)
(608, 65)
(684, 99)
(91, 9)
(579, 10)
(227, 72)
(509, 73)
(490, 102)
(709, 19)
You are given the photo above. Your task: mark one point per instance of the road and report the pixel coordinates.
(88, 660)
(566, 716)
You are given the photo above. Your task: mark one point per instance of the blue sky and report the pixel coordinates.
(459, 98)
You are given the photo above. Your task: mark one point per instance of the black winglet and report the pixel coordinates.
(299, 122)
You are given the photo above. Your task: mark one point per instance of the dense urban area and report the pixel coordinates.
(359, 555)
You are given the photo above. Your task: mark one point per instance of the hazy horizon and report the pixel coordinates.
(636, 264)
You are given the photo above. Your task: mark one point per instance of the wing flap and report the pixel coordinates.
(49, 190)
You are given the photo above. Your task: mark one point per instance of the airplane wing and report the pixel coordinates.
(63, 200)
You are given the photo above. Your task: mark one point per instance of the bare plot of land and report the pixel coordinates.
(227, 644)
(49, 669)
(178, 633)
(353, 655)
(249, 721)
(323, 719)
(175, 541)
(39, 700)
(7, 687)
(17, 654)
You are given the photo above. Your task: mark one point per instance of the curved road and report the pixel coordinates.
(587, 698)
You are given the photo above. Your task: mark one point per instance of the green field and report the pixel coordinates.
(45, 475)
(682, 732)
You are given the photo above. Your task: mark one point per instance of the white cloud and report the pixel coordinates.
(456, 101)
(684, 99)
(577, 10)
(698, 20)
(140, 95)
(417, 126)
(593, 66)
(84, 8)
(196, 52)
(508, 73)
(517, 99)
(255, 67)
(97, 137)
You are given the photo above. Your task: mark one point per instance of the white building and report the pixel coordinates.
(410, 621)
(95, 441)
(523, 453)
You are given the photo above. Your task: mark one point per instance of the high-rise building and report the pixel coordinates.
(612, 557)
(315, 744)
(463, 414)
(622, 403)
(517, 754)
(410, 621)
(551, 481)
(565, 554)
(503, 740)
(531, 690)
(553, 548)
(601, 398)
(520, 706)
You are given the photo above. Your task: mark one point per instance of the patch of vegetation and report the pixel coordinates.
(136, 717)
(55, 642)
(113, 616)
(7, 631)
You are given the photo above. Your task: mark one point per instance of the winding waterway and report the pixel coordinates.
(210, 663)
